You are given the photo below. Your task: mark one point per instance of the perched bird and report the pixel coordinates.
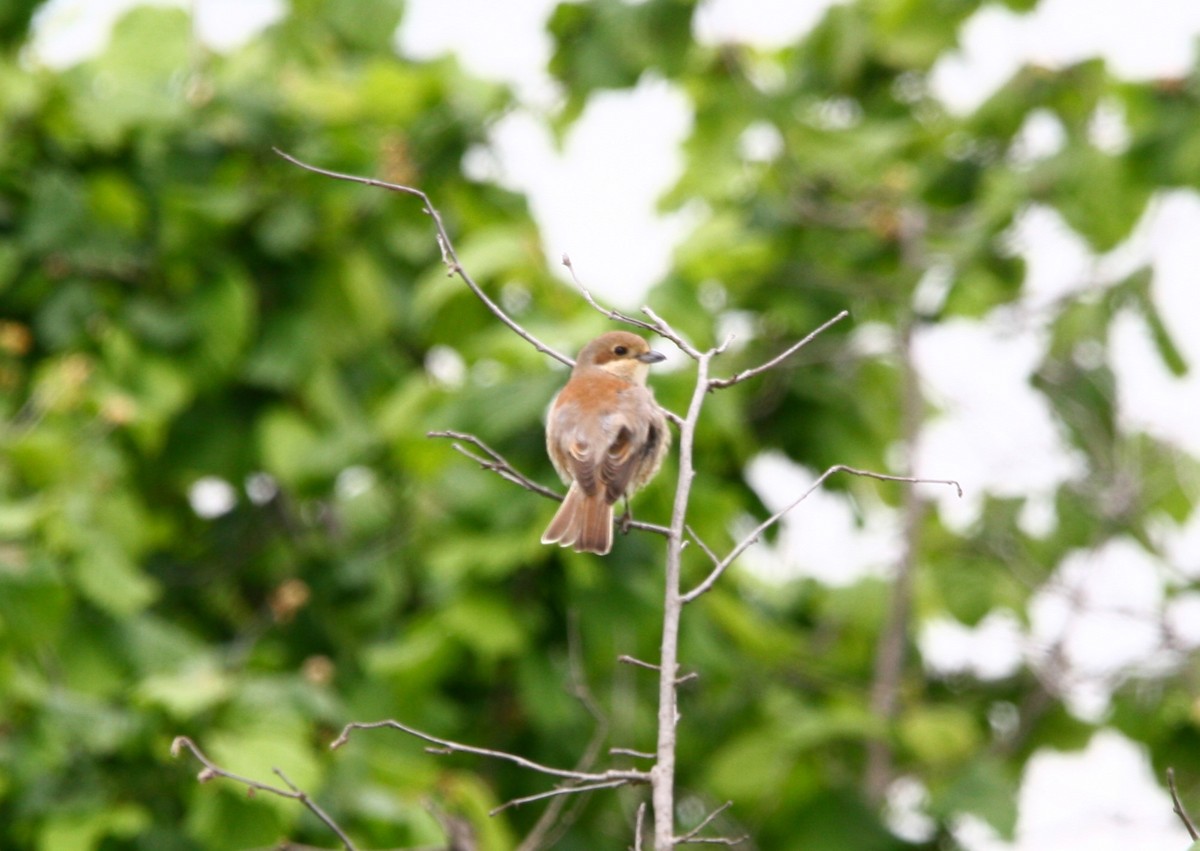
(606, 437)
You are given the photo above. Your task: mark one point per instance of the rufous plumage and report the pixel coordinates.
(606, 437)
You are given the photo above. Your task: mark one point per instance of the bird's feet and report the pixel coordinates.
(625, 521)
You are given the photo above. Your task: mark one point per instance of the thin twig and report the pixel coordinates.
(501, 466)
(630, 752)
(626, 659)
(752, 538)
(615, 315)
(295, 793)
(720, 383)
(495, 462)
(664, 329)
(703, 546)
(714, 840)
(639, 826)
(449, 255)
(563, 790)
(708, 819)
(1179, 810)
(628, 776)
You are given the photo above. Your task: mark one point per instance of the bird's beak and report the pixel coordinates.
(651, 357)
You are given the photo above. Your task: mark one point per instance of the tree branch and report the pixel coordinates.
(1179, 808)
(449, 255)
(495, 462)
(707, 820)
(663, 328)
(639, 826)
(663, 772)
(561, 790)
(212, 770)
(721, 383)
(448, 746)
(753, 537)
(615, 315)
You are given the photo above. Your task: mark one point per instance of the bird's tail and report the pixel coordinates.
(582, 522)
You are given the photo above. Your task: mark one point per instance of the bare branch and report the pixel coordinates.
(563, 790)
(714, 840)
(691, 834)
(638, 826)
(703, 546)
(626, 659)
(663, 328)
(630, 752)
(752, 538)
(1179, 809)
(449, 255)
(295, 793)
(615, 315)
(448, 746)
(495, 462)
(663, 774)
(692, 837)
(720, 383)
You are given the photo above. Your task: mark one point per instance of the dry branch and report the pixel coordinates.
(212, 770)
(449, 746)
(1179, 808)
(721, 383)
(449, 254)
(754, 535)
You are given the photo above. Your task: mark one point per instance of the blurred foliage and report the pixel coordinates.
(220, 515)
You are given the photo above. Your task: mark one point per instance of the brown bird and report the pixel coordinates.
(606, 437)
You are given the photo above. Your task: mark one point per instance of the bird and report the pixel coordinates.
(606, 437)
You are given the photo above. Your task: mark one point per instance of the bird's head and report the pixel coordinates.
(625, 355)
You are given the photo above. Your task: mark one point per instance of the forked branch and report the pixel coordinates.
(212, 771)
(721, 383)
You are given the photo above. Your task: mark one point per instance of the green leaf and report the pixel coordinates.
(940, 735)
(187, 693)
(1096, 194)
(985, 788)
(34, 603)
(485, 625)
(106, 575)
(84, 830)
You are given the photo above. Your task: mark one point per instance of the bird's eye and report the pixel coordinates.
(620, 350)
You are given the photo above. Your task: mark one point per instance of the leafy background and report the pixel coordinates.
(184, 315)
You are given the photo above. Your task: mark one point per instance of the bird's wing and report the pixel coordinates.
(606, 443)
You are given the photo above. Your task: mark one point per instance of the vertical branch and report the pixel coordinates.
(893, 640)
(662, 776)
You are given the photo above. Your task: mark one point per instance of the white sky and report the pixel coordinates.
(594, 198)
